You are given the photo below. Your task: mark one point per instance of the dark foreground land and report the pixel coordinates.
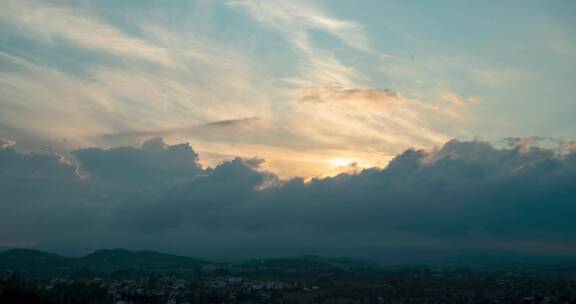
(121, 276)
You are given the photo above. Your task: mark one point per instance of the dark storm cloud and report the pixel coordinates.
(464, 195)
(462, 192)
(42, 194)
(33, 166)
(206, 201)
(153, 164)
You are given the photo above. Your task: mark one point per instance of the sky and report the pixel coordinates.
(302, 124)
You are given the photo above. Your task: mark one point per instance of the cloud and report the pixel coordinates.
(456, 99)
(568, 148)
(207, 200)
(106, 72)
(42, 195)
(460, 197)
(297, 21)
(228, 125)
(52, 22)
(462, 191)
(296, 18)
(6, 143)
(17, 244)
(87, 75)
(498, 76)
(231, 123)
(152, 165)
(34, 166)
(372, 98)
(375, 118)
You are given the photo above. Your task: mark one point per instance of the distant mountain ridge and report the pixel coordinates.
(114, 259)
(144, 258)
(29, 258)
(109, 260)
(106, 259)
(308, 262)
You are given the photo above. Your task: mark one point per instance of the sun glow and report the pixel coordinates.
(340, 162)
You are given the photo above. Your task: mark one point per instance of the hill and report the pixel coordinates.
(293, 263)
(109, 259)
(122, 258)
(28, 259)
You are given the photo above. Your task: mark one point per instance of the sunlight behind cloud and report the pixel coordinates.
(340, 162)
(89, 79)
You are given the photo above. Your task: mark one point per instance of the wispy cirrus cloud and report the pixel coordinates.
(116, 85)
(228, 126)
(498, 76)
(365, 97)
(51, 23)
(296, 19)
(330, 94)
(456, 99)
(111, 96)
